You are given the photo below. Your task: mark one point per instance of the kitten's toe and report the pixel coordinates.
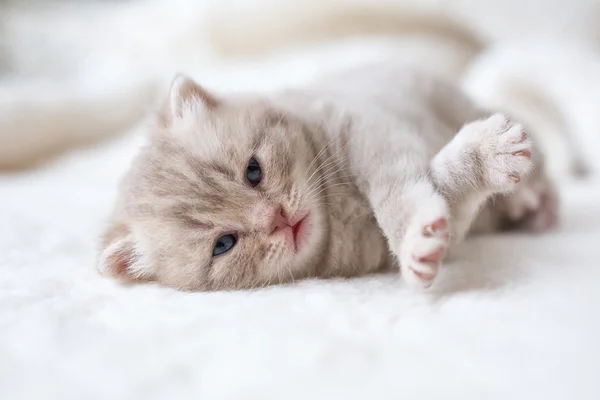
(423, 250)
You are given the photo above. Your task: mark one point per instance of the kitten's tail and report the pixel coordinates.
(553, 87)
(38, 121)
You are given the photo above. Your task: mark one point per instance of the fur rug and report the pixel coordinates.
(518, 317)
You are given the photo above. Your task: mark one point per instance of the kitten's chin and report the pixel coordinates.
(303, 249)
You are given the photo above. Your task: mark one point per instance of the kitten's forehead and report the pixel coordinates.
(230, 131)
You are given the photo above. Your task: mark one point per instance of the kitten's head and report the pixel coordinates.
(221, 198)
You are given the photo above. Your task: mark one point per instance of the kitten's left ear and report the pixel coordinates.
(118, 257)
(185, 92)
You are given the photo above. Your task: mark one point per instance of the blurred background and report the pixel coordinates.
(90, 69)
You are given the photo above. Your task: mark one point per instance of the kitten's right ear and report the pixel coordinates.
(118, 258)
(185, 92)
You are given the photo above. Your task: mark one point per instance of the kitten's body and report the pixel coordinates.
(358, 115)
(386, 166)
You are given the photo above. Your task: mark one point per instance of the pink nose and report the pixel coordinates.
(268, 218)
(277, 220)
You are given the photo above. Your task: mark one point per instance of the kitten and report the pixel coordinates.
(361, 171)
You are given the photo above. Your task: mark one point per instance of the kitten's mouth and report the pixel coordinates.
(300, 231)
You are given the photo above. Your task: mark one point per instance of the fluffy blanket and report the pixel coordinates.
(518, 317)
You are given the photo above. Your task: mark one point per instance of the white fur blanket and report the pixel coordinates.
(517, 318)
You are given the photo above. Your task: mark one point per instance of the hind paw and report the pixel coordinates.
(424, 249)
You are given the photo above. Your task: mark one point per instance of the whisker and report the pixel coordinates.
(333, 158)
(326, 175)
(329, 143)
(271, 280)
(331, 164)
(314, 190)
(330, 174)
(256, 284)
(330, 195)
(330, 159)
(279, 276)
(291, 275)
(329, 187)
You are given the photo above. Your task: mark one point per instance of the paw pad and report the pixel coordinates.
(434, 227)
(423, 251)
(505, 152)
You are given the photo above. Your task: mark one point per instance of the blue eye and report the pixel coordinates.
(253, 172)
(224, 244)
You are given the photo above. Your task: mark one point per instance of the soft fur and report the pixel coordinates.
(390, 166)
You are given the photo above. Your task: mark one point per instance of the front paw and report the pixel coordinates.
(424, 248)
(504, 152)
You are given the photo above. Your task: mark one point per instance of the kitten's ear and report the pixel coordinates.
(118, 258)
(185, 92)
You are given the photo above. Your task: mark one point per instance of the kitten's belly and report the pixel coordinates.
(357, 245)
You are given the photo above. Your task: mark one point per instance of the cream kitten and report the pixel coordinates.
(364, 170)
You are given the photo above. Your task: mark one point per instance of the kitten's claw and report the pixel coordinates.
(523, 153)
(515, 177)
(523, 134)
(424, 248)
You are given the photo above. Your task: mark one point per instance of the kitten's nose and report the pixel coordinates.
(268, 218)
(278, 220)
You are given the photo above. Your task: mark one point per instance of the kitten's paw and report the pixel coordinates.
(533, 207)
(504, 153)
(424, 248)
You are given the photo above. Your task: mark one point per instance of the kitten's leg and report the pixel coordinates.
(413, 216)
(413, 200)
(486, 157)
